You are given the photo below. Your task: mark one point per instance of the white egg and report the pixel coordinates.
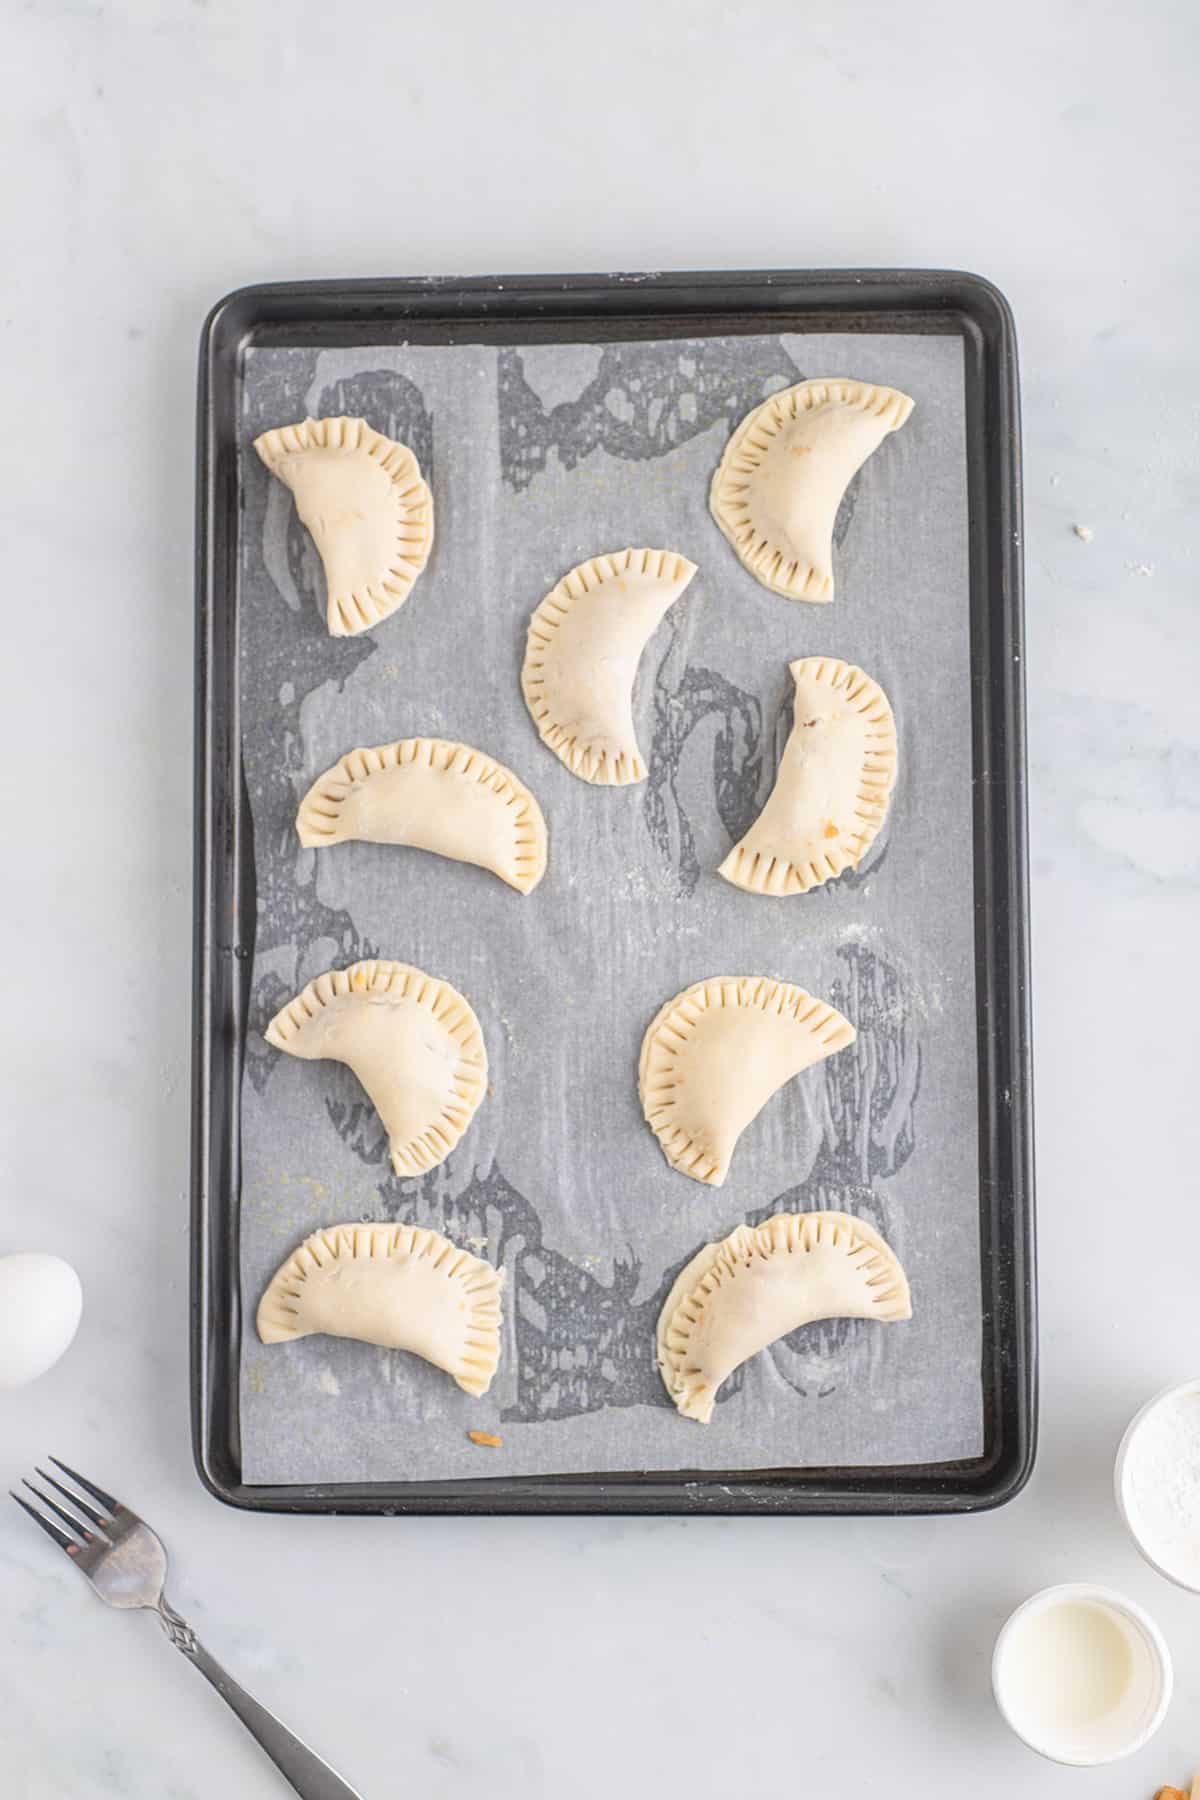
(40, 1306)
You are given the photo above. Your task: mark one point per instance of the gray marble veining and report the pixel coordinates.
(155, 157)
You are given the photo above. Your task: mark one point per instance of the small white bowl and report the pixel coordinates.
(1077, 1737)
(1140, 1528)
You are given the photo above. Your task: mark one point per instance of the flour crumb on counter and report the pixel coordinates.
(1084, 533)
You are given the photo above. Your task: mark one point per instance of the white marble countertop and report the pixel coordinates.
(158, 155)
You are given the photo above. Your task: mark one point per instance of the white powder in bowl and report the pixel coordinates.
(1161, 1484)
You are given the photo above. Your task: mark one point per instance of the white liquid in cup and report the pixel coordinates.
(1081, 1675)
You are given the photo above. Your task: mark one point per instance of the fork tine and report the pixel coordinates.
(48, 1526)
(76, 1525)
(89, 1487)
(88, 1512)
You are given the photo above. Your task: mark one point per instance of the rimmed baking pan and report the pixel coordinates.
(737, 330)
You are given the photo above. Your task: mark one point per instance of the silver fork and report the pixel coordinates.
(126, 1564)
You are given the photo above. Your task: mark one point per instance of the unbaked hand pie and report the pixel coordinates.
(435, 796)
(778, 487)
(413, 1042)
(585, 641)
(736, 1297)
(715, 1054)
(832, 789)
(362, 497)
(396, 1285)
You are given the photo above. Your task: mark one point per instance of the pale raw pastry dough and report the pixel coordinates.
(585, 641)
(714, 1055)
(736, 1297)
(435, 796)
(396, 1285)
(413, 1042)
(370, 513)
(780, 482)
(833, 785)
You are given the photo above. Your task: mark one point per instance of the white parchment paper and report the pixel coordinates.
(539, 456)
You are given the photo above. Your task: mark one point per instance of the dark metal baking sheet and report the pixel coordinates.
(599, 310)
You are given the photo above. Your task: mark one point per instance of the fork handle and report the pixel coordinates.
(310, 1776)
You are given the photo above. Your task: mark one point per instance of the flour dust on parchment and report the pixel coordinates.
(539, 456)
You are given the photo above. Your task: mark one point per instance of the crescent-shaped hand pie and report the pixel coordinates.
(585, 641)
(714, 1055)
(778, 487)
(413, 1042)
(832, 789)
(362, 497)
(396, 1285)
(435, 796)
(736, 1297)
